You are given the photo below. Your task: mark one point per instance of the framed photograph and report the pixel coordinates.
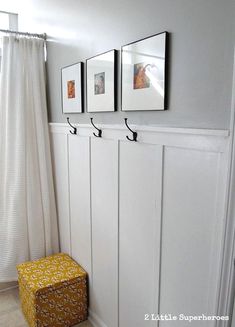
(101, 82)
(144, 74)
(72, 89)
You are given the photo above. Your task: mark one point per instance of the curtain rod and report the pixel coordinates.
(41, 36)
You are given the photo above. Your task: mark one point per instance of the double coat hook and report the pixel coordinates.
(74, 132)
(98, 129)
(133, 132)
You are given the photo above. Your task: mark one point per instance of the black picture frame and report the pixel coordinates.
(101, 82)
(72, 104)
(145, 96)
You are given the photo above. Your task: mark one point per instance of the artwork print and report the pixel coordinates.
(140, 78)
(99, 80)
(71, 89)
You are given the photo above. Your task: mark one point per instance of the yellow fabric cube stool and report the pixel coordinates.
(53, 291)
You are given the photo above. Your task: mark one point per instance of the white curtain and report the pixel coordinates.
(28, 222)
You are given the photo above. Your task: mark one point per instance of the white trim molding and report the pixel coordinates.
(203, 139)
(95, 320)
(227, 287)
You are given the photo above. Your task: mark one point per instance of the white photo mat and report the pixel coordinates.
(101, 82)
(71, 80)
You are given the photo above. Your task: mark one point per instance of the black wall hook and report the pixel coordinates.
(74, 132)
(99, 130)
(134, 133)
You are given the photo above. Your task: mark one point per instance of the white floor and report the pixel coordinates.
(10, 312)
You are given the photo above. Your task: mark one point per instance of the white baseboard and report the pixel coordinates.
(95, 320)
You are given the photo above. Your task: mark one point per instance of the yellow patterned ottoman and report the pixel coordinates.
(53, 291)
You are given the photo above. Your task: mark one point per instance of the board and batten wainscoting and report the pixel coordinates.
(146, 219)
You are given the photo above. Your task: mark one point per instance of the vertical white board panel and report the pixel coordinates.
(189, 267)
(60, 166)
(140, 229)
(79, 172)
(104, 200)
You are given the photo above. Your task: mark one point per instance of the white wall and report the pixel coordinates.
(145, 219)
(201, 50)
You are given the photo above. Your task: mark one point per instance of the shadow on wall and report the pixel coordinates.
(4, 286)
